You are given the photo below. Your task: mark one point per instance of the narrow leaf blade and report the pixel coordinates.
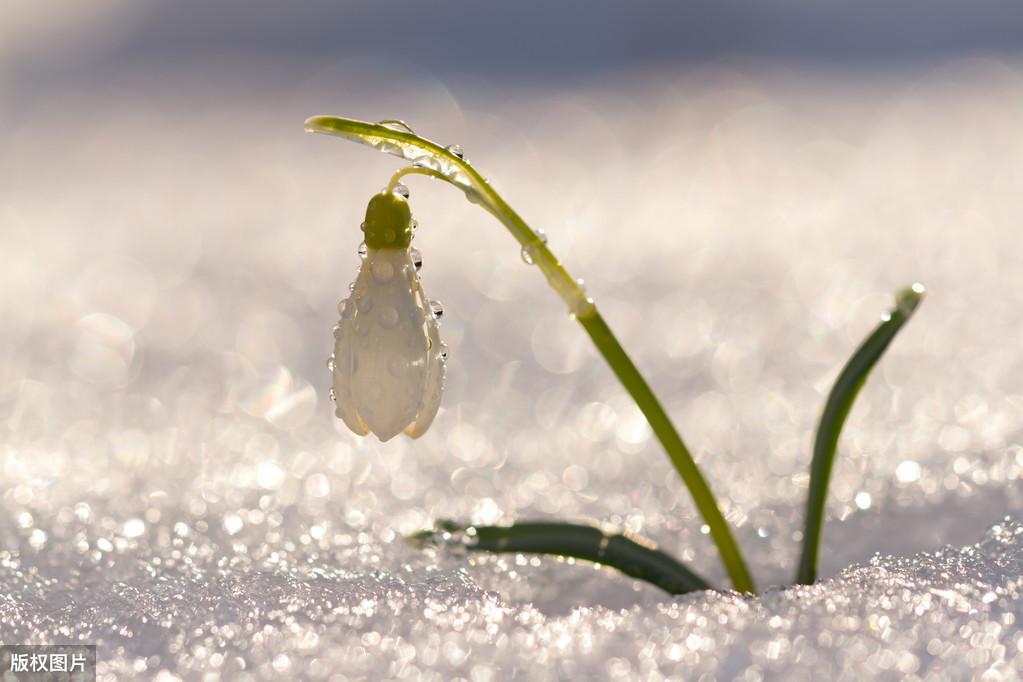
(847, 386)
(639, 559)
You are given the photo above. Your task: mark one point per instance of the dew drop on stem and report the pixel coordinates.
(456, 150)
(529, 251)
(396, 124)
(437, 309)
(417, 258)
(401, 190)
(363, 250)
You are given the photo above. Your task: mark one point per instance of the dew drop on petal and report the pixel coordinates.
(330, 364)
(364, 304)
(417, 259)
(388, 317)
(341, 306)
(397, 366)
(363, 250)
(382, 271)
(437, 309)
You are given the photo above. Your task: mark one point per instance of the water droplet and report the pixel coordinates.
(437, 309)
(333, 396)
(397, 366)
(388, 318)
(416, 316)
(363, 250)
(382, 271)
(529, 251)
(401, 190)
(351, 287)
(364, 304)
(337, 332)
(443, 352)
(415, 224)
(396, 124)
(417, 258)
(341, 305)
(330, 364)
(427, 162)
(456, 150)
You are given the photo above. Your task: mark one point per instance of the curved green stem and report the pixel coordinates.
(673, 445)
(413, 170)
(848, 384)
(397, 138)
(578, 541)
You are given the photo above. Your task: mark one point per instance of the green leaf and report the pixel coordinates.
(397, 138)
(639, 559)
(836, 409)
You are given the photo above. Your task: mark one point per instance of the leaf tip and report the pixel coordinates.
(314, 124)
(909, 298)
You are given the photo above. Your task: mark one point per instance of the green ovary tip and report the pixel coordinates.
(388, 222)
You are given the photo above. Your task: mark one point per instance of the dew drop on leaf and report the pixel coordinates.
(396, 124)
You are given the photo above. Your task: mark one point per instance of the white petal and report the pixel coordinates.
(390, 343)
(344, 404)
(434, 379)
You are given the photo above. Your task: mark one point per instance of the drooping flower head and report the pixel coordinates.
(388, 363)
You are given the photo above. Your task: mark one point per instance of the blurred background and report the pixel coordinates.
(742, 186)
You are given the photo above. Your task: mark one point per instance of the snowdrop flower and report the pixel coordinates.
(388, 363)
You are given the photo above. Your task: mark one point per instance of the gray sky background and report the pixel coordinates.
(553, 42)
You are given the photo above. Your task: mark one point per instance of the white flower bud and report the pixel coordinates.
(388, 358)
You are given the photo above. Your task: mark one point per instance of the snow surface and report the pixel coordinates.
(177, 490)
